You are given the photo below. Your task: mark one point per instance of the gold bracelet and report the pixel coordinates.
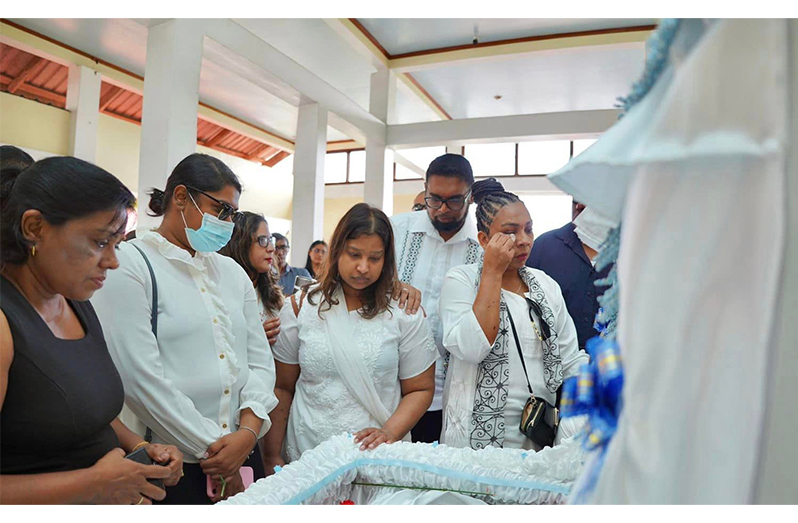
(137, 447)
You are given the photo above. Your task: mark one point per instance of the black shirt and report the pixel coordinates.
(62, 394)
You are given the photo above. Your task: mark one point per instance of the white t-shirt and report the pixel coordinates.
(394, 345)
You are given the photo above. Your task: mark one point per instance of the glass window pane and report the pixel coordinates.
(403, 173)
(335, 168)
(548, 211)
(491, 159)
(543, 157)
(357, 166)
(581, 145)
(422, 156)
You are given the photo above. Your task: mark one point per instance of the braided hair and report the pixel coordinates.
(490, 197)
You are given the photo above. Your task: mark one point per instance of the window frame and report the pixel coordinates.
(348, 164)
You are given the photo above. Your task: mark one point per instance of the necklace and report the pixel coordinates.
(519, 290)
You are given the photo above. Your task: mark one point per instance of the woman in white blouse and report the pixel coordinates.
(204, 382)
(367, 367)
(252, 247)
(487, 386)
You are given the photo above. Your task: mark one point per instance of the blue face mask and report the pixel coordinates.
(212, 235)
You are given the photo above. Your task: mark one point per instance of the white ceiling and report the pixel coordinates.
(577, 79)
(405, 35)
(550, 81)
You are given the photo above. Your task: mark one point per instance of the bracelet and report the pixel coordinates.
(142, 444)
(242, 427)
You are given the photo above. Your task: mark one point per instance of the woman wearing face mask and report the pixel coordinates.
(507, 331)
(204, 381)
(366, 366)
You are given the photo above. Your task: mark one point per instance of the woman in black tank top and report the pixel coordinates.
(60, 394)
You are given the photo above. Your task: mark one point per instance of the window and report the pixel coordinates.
(357, 166)
(543, 157)
(335, 167)
(491, 159)
(421, 156)
(548, 211)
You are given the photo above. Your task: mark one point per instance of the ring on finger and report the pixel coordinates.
(140, 501)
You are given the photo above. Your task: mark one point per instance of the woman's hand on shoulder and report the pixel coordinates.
(409, 298)
(272, 328)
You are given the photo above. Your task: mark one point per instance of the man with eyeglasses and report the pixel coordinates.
(428, 244)
(286, 273)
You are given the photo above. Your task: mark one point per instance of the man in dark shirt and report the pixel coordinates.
(561, 255)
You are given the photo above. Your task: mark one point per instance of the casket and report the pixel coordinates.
(337, 471)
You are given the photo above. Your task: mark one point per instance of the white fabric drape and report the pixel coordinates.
(700, 166)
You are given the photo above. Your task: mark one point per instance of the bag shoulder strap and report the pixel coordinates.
(154, 314)
(154, 317)
(520, 353)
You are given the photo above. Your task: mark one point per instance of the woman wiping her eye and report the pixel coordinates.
(509, 336)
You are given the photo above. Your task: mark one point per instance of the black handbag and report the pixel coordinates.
(537, 412)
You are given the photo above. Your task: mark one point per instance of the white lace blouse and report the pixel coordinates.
(211, 358)
(394, 345)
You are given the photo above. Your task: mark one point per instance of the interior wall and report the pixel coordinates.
(33, 125)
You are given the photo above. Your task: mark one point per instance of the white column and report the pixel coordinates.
(171, 95)
(309, 153)
(378, 189)
(83, 101)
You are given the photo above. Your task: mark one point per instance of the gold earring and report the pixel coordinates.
(33, 251)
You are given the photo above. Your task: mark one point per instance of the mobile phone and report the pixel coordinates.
(141, 456)
(247, 478)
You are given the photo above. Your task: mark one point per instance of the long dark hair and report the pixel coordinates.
(309, 262)
(62, 189)
(238, 249)
(198, 171)
(360, 220)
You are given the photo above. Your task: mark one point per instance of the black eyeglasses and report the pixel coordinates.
(283, 248)
(265, 241)
(455, 204)
(227, 209)
(545, 332)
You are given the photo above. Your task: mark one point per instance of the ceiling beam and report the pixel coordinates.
(32, 42)
(312, 88)
(50, 96)
(277, 158)
(364, 43)
(111, 96)
(401, 160)
(491, 51)
(552, 126)
(214, 140)
(261, 152)
(23, 75)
